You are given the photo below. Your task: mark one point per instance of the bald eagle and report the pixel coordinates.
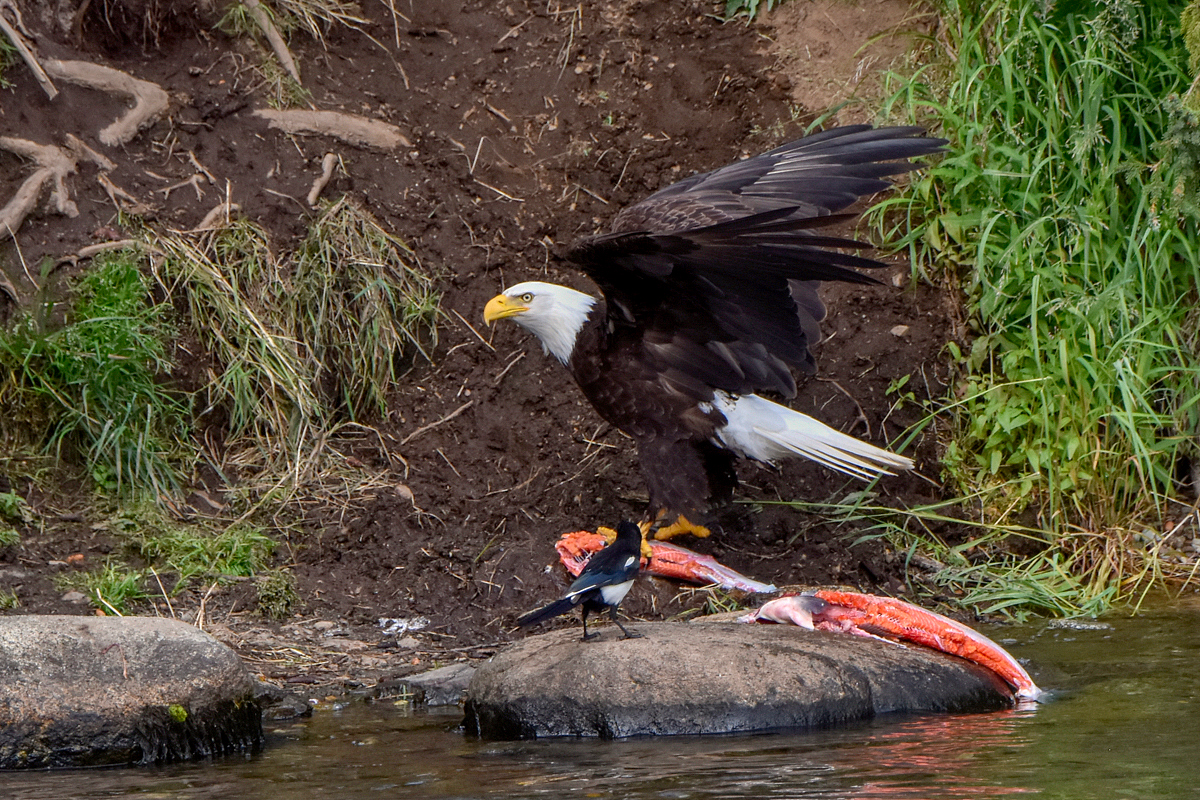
(709, 298)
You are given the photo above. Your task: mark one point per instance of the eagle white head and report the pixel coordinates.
(555, 314)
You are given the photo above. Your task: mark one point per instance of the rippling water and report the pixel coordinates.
(1123, 721)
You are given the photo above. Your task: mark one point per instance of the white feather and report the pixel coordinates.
(760, 429)
(613, 595)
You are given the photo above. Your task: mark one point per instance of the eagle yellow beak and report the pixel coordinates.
(501, 307)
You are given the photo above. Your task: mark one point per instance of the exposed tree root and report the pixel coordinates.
(327, 164)
(193, 181)
(150, 101)
(272, 33)
(122, 199)
(347, 127)
(81, 151)
(17, 35)
(222, 213)
(54, 164)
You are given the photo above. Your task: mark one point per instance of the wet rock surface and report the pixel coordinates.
(713, 678)
(90, 691)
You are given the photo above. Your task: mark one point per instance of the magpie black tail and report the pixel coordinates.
(544, 613)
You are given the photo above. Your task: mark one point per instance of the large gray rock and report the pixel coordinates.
(713, 678)
(86, 691)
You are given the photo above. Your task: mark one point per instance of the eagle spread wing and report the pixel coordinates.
(720, 270)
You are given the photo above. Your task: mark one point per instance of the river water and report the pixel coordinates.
(1122, 721)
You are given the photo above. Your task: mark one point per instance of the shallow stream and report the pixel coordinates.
(1123, 721)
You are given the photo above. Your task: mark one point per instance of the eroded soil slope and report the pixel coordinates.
(528, 124)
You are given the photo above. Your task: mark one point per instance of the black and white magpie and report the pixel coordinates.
(604, 582)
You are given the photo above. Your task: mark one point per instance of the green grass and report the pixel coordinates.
(114, 588)
(358, 302)
(13, 508)
(276, 593)
(1079, 395)
(96, 386)
(9, 600)
(161, 556)
(8, 57)
(306, 341)
(239, 551)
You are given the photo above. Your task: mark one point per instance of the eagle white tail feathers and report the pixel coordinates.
(760, 429)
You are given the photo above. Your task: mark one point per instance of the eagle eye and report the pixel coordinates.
(527, 297)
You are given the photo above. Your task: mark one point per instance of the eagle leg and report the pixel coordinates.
(610, 536)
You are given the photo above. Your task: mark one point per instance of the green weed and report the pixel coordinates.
(1078, 395)
(114, 588)
(277, 596)
(748, 8)
(9, 600)
(13, 508)
(96, 387)
(8, 57)
(239, 551)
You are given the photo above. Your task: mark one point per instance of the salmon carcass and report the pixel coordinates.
(871, 615)
(666, 561)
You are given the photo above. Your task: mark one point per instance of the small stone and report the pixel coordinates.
(74, 597)
(324, 625)
(899, 330)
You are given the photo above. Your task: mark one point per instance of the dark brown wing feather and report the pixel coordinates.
(716, 274)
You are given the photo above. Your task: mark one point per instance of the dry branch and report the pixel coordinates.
(54, 164)
(150, 101)
(432, 425)
(347, 127)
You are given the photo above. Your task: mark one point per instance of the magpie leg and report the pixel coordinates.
(586, 636)
(612, 614)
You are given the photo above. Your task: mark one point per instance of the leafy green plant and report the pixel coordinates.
(13, 508)
(114, 588)
(239, 551)
(95, 386)
(1078, 394)
(748, 8)
(9, 600)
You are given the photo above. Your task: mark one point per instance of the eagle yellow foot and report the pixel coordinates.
(610, 536)
(680, 526)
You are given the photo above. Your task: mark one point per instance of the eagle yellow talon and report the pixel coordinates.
(680, 526)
